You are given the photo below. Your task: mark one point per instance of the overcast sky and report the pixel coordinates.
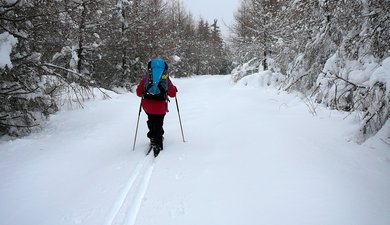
(214, 9)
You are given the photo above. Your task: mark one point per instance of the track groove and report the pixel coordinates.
(126, 207)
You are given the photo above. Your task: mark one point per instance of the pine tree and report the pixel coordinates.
(218, 59)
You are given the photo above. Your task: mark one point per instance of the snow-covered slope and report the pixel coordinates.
(251, 157)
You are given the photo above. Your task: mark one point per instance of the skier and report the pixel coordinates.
(156, 105)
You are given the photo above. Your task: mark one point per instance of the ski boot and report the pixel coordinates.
(156, 150)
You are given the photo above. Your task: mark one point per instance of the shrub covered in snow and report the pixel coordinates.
(357, 85)
(245, 69)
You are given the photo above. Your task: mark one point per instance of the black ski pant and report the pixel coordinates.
(156, 131)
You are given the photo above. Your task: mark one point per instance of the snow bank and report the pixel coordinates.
(261, 79)
(380, 142)
(250, 67)
(7, 42)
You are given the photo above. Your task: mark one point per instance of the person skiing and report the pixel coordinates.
(154, 89)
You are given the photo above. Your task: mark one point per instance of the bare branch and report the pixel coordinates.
(14, 91)
(18, 126)
(388, 143)
(78, 74)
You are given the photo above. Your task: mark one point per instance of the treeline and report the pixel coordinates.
(66, 47)
(330, 50)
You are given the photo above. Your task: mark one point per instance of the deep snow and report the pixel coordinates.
(252, 156)
(7, 41)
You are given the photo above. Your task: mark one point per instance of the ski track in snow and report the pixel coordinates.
(128, 204)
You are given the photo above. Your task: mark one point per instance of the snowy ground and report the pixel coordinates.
(251, 157)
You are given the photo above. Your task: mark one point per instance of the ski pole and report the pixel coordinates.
(136, 129)
(178, 113)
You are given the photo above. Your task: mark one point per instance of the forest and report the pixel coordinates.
(63, 49)
(333, 52)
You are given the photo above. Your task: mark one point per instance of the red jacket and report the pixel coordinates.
(155, 106)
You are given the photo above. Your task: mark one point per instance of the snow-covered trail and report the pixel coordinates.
(251, 157)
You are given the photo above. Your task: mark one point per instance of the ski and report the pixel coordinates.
(154, 149)
(156, 153)
(149, 150)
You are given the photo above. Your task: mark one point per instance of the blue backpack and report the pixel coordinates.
(156, 84)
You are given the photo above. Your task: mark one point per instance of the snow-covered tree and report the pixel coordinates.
(327, 49)
(25, 93)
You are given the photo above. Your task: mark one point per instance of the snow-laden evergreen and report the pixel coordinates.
(81, 44)
(252, 156)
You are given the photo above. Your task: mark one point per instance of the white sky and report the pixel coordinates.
(214, 9)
